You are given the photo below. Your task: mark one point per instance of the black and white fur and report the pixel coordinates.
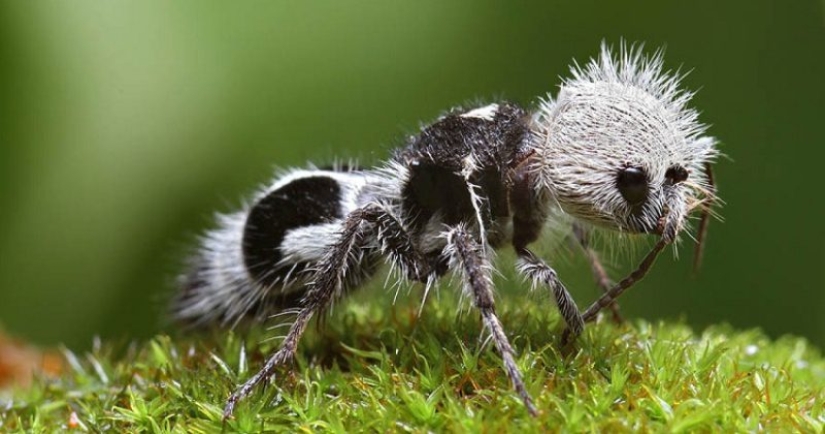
(617, 148)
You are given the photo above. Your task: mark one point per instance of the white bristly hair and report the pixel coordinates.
(619, 110)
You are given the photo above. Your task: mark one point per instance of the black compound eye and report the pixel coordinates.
(676, 174)
(632, 184)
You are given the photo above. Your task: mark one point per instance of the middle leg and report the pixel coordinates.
(469, 258)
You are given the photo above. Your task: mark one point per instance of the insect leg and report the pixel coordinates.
(469, 258)
(619, 288)
(328, 281)
(602, 279)
(540, 273)
(396, 243)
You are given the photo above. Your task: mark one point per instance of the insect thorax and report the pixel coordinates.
(461, 167)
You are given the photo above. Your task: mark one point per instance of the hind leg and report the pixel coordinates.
(330, 278)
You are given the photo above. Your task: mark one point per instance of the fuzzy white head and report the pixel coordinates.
(619, 147)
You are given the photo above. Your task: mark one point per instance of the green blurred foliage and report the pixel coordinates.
(124, 125)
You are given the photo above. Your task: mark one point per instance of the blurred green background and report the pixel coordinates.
(125, 125)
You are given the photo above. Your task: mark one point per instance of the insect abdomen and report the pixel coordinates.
(304, 204)
(258, 260)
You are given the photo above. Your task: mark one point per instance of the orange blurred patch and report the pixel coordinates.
(20, 361)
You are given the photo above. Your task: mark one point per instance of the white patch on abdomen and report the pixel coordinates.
(309, 243)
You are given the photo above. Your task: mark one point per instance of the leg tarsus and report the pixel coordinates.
(283, 356)
(507, 355)
(637, 275)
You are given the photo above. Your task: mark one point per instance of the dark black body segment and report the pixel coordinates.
(528, 214)
(458, 149)
(300, 203)
(494, 141)
(434, 188)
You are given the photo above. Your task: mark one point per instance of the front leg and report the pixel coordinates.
(540, 273)
(599, 273)
(610, 296)
(470, 259)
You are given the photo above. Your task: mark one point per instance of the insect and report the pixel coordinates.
(617, 148)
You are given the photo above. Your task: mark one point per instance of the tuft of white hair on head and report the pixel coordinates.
(621, 109)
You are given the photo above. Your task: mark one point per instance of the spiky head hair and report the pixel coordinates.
(619, 147)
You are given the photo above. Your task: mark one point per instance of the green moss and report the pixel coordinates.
(378, 369)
